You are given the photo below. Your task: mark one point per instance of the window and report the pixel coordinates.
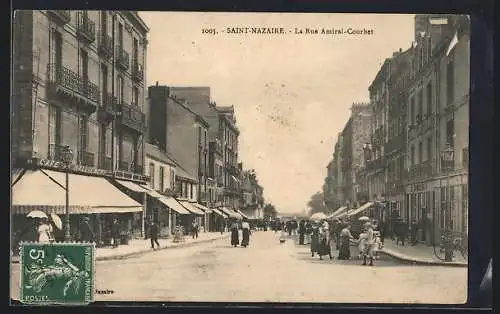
(420, 152)
(104, 23)
(84, 130)
(135, 96)
(58, 49)
(152, 175)
(135, 50)
(104, 85)
(120, 35)
(191, 191)
(412, 156)
(102, 144)
(450, 132)
(54, 131)
(429, 47)
(420, 105)
(161, 178)
(429, 98)
(84, 64)
(412, 110)
(172, 179)
(450, 80)
(429, 148)
(121, 89)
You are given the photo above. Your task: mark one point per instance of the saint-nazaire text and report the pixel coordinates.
(255, 30)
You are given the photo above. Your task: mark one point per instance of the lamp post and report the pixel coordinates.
(447, 160)
(67, 158)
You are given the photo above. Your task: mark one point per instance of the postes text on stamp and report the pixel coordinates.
(57, 273)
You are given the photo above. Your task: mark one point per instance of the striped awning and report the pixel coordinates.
(242, 214)
(338, 212)
(230, 213)
(132, 186)
(218, 212)
(191, 208)
(45, 190)
(360, 209)
(203, 208)
(173, 204)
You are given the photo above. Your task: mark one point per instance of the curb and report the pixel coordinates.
(415, 261)
(144, 251)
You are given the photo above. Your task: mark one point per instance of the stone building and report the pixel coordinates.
(355, 135)
(438, 118)
(78, 83)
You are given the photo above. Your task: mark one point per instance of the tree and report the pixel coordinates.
(270, 211)
(316, 204)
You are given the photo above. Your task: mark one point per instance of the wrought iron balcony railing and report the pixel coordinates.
(137, 71)
(85, 27)
(106, 163)
(139, 169)
(61, 16)
(71, 82)
(123, 166)
(86, 158)
(122, 58)
(131, 116)
(420, 171)
(105, 45)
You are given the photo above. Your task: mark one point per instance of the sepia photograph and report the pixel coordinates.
(239, 157)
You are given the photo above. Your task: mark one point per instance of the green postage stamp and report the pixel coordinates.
(57, 273)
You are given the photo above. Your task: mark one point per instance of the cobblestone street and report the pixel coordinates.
(268, 271)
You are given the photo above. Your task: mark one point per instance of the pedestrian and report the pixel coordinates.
(414, 232)
(153, 234)
(324, 241)
(86, 233)
(314, 238)
(302, 231)
(235, 239)
(308, 232)
(289, 228)
(245, 230)
(221, 226)
(345, 243)
(194, 229)
(44, 231)
(115, 233)
(382, 229)
(369, 243)
(401, 230)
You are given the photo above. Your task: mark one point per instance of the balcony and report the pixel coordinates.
(55, 152)
(376, 164)
(122, 58)
(106, 113)
(131, 117)
(106, 163)
(123, 166)
(447, 164)
(86, 158)
(67, 85)
(421, 171)
(60, 16)
(139, 169)
(85, 27)
(105, 47)
(137, 71)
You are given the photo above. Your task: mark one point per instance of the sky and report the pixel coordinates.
(291, 92)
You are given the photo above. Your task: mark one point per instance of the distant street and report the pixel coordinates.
(269, 271)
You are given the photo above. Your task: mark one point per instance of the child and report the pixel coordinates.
(361, 245)
(377, 244)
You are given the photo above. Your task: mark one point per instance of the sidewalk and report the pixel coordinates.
(140, 246)
(419, 254)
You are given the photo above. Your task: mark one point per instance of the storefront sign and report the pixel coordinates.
(57, 165)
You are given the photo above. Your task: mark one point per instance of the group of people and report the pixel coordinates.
(320, 235)
(245, 232)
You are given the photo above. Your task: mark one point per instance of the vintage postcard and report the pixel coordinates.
(239, 157)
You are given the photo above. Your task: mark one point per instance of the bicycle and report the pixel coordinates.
(456, 245)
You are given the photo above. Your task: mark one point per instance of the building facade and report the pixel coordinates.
(78, 83)
(437, 141)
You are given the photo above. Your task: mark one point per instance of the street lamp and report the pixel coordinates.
(447, 158)
(67, 158)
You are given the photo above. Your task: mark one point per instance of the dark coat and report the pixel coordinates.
(153, 230)
(86, 233)
(115, 229)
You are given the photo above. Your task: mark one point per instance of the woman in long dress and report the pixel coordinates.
(245, 230)
(345, 243)
(314, 239)
(324, 241)
(235, 237)
(44, 231)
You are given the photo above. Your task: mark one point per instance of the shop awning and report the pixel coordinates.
(191, 208)
(229, 212)
(44, 190)
(218, 212)
(173, 204)
(132, 186)
(151, 192)
(203, 208)
(360, 209)
(336, 213)
(235, 179)
(242, 214)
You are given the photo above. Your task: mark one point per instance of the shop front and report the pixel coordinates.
(87, 195)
